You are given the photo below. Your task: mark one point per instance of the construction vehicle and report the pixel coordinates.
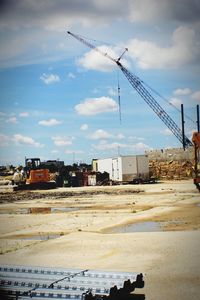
(138, 85)
(196, 141)
(34, 176)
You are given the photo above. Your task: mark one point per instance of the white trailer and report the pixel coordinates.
(125, 168)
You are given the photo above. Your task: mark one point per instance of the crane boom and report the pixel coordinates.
(136, 83)
(80, 39)
(155, 106)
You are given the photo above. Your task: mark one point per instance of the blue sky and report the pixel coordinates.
(59, 98)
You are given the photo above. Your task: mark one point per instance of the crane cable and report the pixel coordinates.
(102, 42)
(119, 97)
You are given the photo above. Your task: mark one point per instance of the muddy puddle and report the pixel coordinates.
(137, 227)
(39, 210)
(142, 227)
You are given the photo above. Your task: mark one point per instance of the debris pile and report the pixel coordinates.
(171, 169)
(173, 163)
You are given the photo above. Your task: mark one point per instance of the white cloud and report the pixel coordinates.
(71, 75)
(50, 122)
(25, 140)
(102, 60)
(12, 120)
(84, 127)
(96, 105)
(18, 139)
(103, 135)
(4, 140)
(23, 114)
(184, 50)
(140, 147)
(74, 152)
(49, 78)
(62, 141)
(100, 134)
(176, 102)
(103, 145)
(135, 148)
(182, 92)
(54, 151)
(151, 11)
(112, 91)
(93, 60)
(57, 15)
(196, 96)
(120, 136)
(42, 39)
(136, 138)
(167, 132)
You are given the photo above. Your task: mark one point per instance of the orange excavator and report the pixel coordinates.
(35, 176)
(196, 141)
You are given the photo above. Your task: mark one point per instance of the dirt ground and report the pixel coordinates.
(93, 228)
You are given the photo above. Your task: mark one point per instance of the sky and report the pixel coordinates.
(59, 98)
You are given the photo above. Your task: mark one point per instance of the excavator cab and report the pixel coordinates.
(196, 141)
(32, 163)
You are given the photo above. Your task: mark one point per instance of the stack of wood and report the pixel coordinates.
(171, 169)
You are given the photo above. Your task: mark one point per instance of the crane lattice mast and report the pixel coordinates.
(136, 83)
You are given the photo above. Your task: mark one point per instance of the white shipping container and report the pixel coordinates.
(125, 168)
(104, 165)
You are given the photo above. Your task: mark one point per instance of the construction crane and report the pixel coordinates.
(137, 84)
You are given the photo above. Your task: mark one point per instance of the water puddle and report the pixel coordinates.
(39, 210)
(144, 227)
(138, 227)
(63, 209)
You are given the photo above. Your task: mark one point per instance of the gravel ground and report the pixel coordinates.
(93, 228)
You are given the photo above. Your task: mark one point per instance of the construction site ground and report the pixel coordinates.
(93, 228)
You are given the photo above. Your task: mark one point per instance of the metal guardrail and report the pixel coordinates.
(25, 282)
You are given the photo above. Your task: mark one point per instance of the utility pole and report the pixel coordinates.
(198, 125)
(183, 127)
